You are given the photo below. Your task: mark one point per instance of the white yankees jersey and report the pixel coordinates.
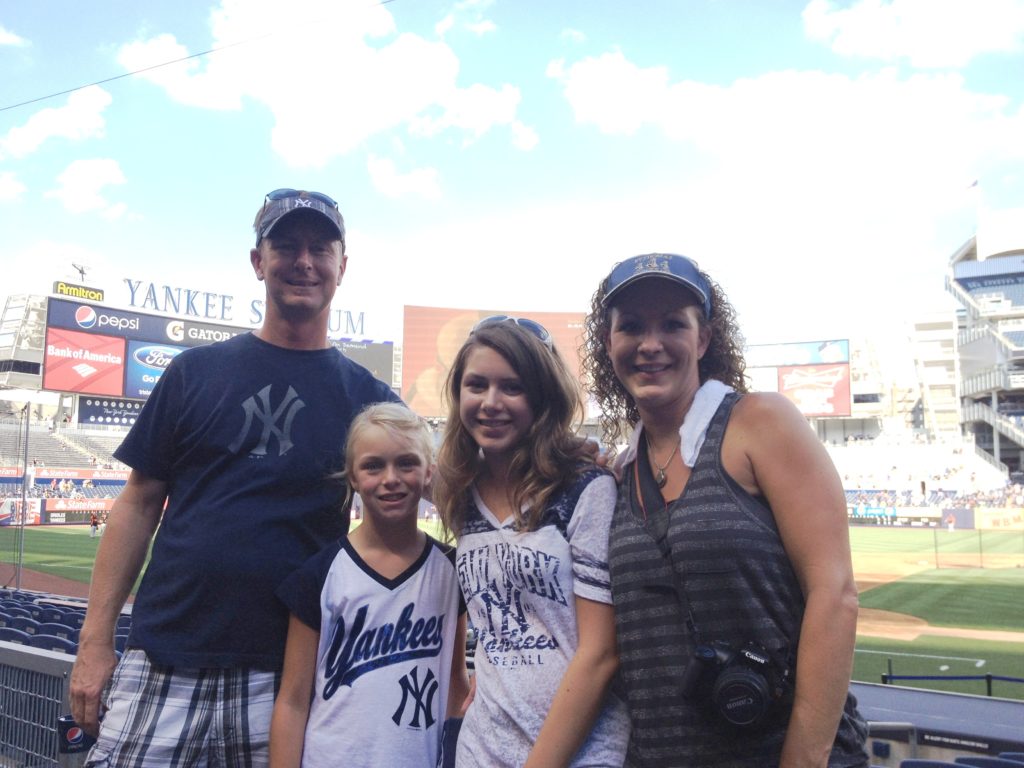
(384, 659)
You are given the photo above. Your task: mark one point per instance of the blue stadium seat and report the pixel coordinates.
(916, 763)
(25, 623)
(53, 643)
(57, 629)
(1012, 756)
(124, 621)
(120, 641)
(51, 614)
(12, 611)
(979, 761)
(73, 618)
(12, 635)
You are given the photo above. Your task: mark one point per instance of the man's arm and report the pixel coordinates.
(122, 551)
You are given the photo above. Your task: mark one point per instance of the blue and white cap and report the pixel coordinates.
(668, 266)
(282, 202)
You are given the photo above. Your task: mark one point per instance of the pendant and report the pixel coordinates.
(661, 479)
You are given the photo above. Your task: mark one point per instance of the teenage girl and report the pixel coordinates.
(375, 657)
(531, 514)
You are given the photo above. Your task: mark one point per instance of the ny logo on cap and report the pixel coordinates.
(654, 262)
(303, 203)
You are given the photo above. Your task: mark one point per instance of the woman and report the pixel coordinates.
(532, 514)
(730, 564)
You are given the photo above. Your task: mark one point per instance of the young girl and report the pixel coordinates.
(375, 658)
(531, 514)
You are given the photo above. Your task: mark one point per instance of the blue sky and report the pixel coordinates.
(817, 158)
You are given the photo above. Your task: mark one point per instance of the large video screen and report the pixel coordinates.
(433, 336)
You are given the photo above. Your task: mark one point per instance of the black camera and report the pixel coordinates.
(739, 685)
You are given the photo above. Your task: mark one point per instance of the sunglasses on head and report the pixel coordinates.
(531, 326)
(284, 194)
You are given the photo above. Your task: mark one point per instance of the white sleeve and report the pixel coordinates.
(588, 539)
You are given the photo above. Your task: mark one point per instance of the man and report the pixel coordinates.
(238, 439)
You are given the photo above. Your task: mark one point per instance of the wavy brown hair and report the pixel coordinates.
(549, 455)
(723, 359)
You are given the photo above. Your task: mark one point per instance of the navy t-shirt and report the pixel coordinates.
(246, 435)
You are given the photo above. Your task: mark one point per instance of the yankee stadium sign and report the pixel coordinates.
(193, 302)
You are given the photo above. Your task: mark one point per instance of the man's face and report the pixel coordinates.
(302, 265)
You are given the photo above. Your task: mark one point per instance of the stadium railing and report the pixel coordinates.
(33, 695)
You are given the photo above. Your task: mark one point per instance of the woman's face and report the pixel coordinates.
(493, 405)
(655, 341)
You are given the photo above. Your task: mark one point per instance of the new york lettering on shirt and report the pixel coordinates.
(357, 650)
(503, 613)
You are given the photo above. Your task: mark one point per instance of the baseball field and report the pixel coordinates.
(933, 601)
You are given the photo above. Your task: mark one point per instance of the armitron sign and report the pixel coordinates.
(77, 291)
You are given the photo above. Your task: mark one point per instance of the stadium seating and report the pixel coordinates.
(12, 635)
(987, 762)
(13, 610)
(52, 643)
(49, 613)
(120, 641)
(56, 629)
(916, 763)
(124, 622)
(73, 618)
(1012, 756)
(26, 624)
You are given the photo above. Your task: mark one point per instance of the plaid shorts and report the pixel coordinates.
(171, 717)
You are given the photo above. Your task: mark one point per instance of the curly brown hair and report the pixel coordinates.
(723, 359)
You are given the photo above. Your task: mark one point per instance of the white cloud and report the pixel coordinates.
(481, 28)
(573, 36)
(333, 75)
(444, 25)
(81, 118)
(523, 136)
(928, 33)
(10, 188)
(184, 81)
(473, 110)
(855, 179)
(9, 38)
(82, 184)
(421, 182)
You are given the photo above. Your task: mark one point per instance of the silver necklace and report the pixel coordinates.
(660, 478)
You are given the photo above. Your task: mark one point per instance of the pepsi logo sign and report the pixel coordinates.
(154, 356)
(85, 317)
(75, 735)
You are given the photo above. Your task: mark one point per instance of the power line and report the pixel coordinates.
(133, 72)
(150, 68)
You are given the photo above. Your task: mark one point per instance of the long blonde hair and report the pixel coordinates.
(548, 456)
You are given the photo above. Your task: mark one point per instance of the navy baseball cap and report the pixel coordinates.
(668, 266)
(281, 202)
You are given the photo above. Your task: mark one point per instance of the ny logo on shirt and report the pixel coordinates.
(420, 696)
(269, 417)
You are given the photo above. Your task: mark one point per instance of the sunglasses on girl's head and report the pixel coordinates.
(284, 194)
(532, 326)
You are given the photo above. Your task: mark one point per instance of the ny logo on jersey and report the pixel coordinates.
(268, 416)
(421, 697)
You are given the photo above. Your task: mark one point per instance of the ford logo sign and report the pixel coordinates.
(155, 357)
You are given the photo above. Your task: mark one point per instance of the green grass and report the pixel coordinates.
(975, 598)
(67, 552)
(931, 655)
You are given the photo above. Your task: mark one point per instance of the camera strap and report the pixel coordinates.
(648, 495)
